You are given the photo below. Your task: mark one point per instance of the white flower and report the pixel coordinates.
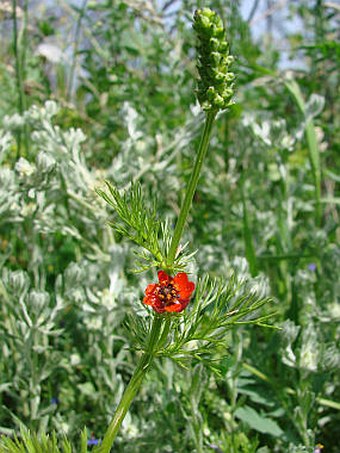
(51, 52)
(24, 168)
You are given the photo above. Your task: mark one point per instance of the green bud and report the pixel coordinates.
(216, 56)
(214, 43)
(210, 94)
(220, 76)
(214, 86)
(229, 77)
(219, 101)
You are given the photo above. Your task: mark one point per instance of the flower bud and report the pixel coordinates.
(214, 86)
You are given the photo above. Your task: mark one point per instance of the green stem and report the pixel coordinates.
(202, 149)
(19, 43)
(133, 387)
(81, 14)
(17, 70)
(159, 330)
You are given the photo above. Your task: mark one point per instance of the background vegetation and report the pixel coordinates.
(105, 90)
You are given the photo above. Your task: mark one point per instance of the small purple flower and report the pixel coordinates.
(312, 267)
(54, 400)
(318, 448)
(92, 441)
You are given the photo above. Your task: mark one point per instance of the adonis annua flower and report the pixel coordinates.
(171, 294)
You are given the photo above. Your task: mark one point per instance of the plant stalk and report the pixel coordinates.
(19, 43)
(70, 83)
(159, 329)
(133, 386)
(202, 150)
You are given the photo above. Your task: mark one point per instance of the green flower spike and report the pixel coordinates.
(215, 85)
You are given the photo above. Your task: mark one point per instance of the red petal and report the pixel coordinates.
(150, 300)
(185, 293)
(154, 302)
(181, 279)
(174, 308)
(158, 305)
(150, 289)
(164, 278)
(147, 301)
(184, 303)
(183, 286)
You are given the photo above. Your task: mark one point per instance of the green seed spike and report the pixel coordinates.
(215, 83)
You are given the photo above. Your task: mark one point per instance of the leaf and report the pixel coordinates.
(137, 221)
(313, 147)
(201, 331)
(83, 441)
(248, 240)
(258, 422)
(314, 106)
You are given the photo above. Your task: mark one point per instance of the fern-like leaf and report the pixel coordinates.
(217, 307)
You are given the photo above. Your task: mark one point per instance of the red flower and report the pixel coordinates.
(171, 294)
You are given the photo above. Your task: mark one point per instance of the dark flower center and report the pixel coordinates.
(167, 294)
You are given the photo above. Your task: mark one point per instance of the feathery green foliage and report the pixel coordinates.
(218, 306)
(141, 224)
(34, 443)
(136, 222)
